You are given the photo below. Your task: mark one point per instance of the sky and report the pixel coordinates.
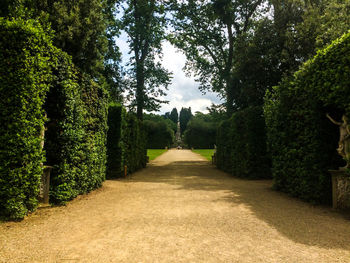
(183, 91)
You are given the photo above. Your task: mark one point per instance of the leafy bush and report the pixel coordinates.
(241, 145)
(302, 141)
(25, 75)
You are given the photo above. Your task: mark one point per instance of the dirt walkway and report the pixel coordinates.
(179, 209)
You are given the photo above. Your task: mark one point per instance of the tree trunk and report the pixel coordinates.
(140, 87)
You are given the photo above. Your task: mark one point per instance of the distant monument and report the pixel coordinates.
(178, 134)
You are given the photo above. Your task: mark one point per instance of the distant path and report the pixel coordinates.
(180, 209)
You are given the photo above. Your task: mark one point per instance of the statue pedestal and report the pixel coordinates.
(340, 189)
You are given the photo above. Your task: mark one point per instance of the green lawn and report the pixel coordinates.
(207, 153)
(153, 153)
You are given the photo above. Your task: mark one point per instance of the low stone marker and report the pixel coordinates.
(340, 189)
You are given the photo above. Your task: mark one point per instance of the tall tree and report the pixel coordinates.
(206, 31)
(174, 116)
(144, 21)
(185, 116)
(112, 70)
(82, 28)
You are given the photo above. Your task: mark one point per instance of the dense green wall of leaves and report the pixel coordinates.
(241, 145)
(37, 78)
(24, 82)
(200, 134)
(115, 146)
(77, 133)
(159, 135)
(134, 140)
(126, 142)
(302, 141)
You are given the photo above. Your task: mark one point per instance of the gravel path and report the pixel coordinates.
(179, 209)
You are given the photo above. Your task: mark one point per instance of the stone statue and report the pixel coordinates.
(344, 138)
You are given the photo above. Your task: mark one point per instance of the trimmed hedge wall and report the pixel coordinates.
(241, 145)
(126, 144)
(24, 78)
(115, 146)
(158, 134)
(302, 141)
(134, 140)
(95, 100)
(75, 139)
(200, 134)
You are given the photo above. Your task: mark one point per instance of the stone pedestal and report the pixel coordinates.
(340, 189)
(45, 185)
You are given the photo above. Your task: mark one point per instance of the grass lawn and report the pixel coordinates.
(207, 153)
(153, 153)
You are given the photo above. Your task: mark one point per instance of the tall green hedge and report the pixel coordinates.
(25, 53)
(126, 144)
(115, 146)
(200, 134)
(95, 101)
(134, 140)
(241, 145)
(75, 140)
(159, 135)
(302, 141)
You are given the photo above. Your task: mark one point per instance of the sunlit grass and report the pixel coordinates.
(154, 153)
(207, 153)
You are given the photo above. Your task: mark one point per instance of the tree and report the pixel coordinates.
(144, 22)
(185, 116)
(160, 131)
(206, 31)
(174, 116)
(201, 131)
(112, 70)
(84, 29)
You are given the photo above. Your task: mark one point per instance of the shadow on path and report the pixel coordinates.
(298, 221)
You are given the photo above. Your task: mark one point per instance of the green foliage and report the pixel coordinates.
(185, 116)
(76, 134)
(95, 100)
(301, 139)
(241, 145)
(64, 136)
(200, 134)
(115, 146)
(174, 116)
(159, 134)
(144, 22)
(207, 32)
(134, 139)
(126, 142)
(25, 74)
(154, 153)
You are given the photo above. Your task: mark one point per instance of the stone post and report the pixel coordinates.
(340, 189)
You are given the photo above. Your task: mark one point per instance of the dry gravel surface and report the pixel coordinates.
(179, 209)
